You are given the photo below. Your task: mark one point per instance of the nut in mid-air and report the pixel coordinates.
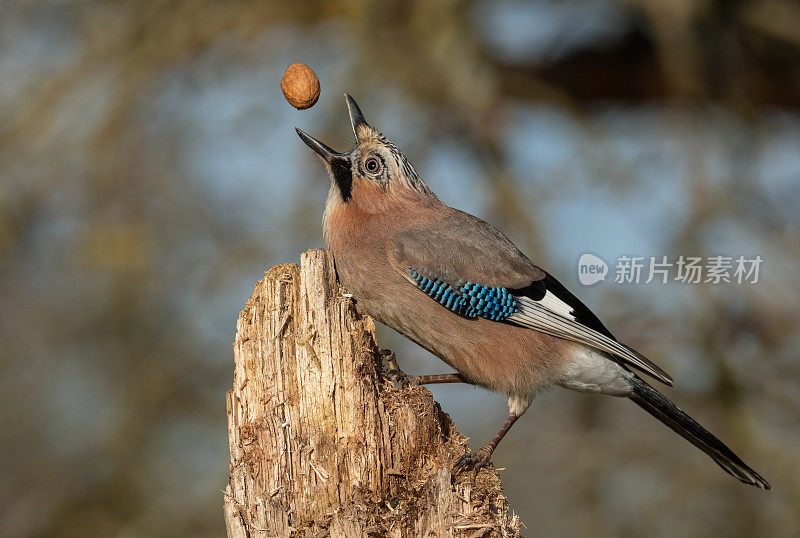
(300, 86)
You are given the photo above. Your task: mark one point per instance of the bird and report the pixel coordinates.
(458, 287)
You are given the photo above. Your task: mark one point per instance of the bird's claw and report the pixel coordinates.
(394, 373)
(474, 460)
(402, 379)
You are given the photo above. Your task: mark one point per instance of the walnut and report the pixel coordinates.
(300, 86)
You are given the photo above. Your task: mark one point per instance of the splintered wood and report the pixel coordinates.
(322, 444)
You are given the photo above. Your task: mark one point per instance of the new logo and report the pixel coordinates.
(591, 269)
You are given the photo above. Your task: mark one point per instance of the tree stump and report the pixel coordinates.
(322, 443)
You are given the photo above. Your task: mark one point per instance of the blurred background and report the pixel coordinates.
(150, 173)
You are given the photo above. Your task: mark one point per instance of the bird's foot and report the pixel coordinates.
(404, 380)
(474, 460)
(394, 373)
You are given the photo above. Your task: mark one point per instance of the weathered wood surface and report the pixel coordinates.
(322, 443)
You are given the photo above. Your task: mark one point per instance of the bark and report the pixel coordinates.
(322, 443)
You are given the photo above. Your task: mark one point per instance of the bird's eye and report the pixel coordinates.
(372, 165)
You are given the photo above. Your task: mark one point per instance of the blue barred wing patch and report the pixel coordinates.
(493, 303)
(469, 299)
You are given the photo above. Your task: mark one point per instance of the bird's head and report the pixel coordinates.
(374, 165)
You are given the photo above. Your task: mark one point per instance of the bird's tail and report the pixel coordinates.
(667, 412)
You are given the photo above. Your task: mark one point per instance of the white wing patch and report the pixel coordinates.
(554, 304)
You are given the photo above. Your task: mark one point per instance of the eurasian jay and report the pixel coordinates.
(459, 288)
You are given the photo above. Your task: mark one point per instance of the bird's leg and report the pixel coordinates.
(480, 458)
(438, 378)
(405, 380)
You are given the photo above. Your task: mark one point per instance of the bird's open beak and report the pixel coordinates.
(339, 163)
(330, 156)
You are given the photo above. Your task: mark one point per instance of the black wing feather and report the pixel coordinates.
(536, 290)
